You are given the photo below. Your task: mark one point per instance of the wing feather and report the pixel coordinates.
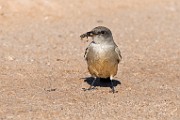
(118, 53)
(86, 52)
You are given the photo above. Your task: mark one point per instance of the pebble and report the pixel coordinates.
(10, 58)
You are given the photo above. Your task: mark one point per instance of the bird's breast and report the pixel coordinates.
(102, 60)
(101, 52)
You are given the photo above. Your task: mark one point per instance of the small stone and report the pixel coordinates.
(48, 63)
(11, 58)
(32, 60)
(99, 21)
(59, 59)
(129, 88)
(46, 18)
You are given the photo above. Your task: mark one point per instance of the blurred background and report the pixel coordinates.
(42, 69)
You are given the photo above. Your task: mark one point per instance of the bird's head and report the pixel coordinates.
(99, 35)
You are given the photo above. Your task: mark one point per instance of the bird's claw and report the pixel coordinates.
(91, 88)
(113, 91)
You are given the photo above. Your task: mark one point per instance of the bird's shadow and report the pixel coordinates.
(101, 82)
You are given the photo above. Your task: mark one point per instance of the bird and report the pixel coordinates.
(102, 55)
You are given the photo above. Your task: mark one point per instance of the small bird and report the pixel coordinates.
(102, 55)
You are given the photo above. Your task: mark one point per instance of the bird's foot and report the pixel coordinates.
(91, 88)
(113, 91)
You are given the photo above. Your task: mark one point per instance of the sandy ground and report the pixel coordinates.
(42, 69)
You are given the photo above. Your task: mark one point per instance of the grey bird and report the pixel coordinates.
(102, 55)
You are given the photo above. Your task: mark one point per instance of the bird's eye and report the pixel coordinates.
(102, 32)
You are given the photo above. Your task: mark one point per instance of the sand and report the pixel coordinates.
(42, 69)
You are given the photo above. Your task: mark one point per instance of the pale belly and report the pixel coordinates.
(102, 61)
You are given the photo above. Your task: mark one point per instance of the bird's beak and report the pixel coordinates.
(88, 34)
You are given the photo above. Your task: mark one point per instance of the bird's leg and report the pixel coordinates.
(92, 84)
(112, 86)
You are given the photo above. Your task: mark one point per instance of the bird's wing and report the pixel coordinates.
(118, 53)
(86, 51)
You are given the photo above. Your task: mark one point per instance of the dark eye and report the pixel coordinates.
(102, 32)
